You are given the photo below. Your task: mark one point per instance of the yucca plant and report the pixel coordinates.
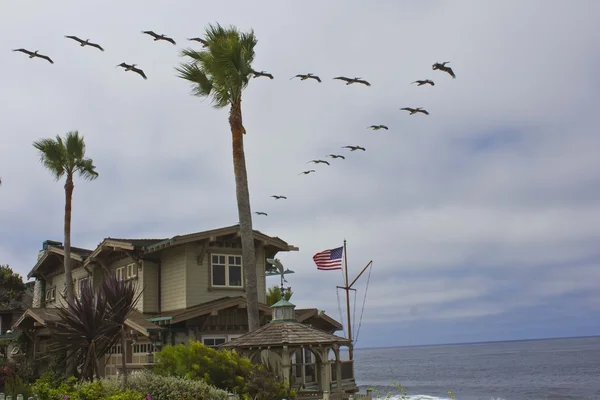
(93, 323)
(121, 297)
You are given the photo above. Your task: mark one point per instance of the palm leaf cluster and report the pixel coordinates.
(223, 69)
(92, 323)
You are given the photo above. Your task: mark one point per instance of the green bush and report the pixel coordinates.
(47, 389)
(223, 368)
(166, 387)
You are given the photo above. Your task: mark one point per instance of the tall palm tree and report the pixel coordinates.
(221, 71)
(63, 157)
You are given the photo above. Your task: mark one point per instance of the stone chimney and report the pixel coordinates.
(38, 293)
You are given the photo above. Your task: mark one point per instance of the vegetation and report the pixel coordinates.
(64, 157)
(222, 368)
(12, 288)
(221, 71)
(92, 323)
(274, 294)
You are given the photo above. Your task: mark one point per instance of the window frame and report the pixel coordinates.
(227, 268)
(129, 268)
(120, 271)
(214, 337)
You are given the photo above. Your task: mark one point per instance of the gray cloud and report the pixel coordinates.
(487, 208)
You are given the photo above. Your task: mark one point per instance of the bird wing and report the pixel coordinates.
(74, 38)
(139, 71)
(168, 39)
(317, 78)
(343, 78)
(24, 51)
(297, 76)
(363, 82)
(96, 45)
(384, 127)
(449, 70)
(407, 109)
(46, 58)
(151, 33)
(424, 112)
(124, 65)
(326, 162)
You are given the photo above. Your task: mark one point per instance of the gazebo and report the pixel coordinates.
(306, 358)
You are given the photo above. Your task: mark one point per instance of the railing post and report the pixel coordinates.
(369, 394)
(326, 395)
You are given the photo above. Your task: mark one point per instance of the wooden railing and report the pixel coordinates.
(347, 370)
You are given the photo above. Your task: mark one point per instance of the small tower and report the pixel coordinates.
(283, 311)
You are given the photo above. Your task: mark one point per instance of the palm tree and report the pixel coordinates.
(221, 71)
(274, 294)
(63, 158)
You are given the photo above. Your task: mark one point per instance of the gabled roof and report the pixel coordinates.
(233, 229)
(303, 314)
(223, 303)
(276, 334)
(136, 320)
(77, 254)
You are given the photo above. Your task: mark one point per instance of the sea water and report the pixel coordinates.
(553, 369)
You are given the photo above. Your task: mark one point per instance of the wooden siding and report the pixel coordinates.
(173, 288)
(150, 284)
(124, 262)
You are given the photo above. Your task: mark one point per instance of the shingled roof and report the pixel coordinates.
(285, 333)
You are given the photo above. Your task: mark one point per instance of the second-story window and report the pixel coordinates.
(131, 271)
(120, 273)
(226, 271)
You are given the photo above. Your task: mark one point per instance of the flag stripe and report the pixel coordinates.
(329, 259)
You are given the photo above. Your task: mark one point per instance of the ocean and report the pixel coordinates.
(552, 369)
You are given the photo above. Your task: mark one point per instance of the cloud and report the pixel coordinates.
(486, 210)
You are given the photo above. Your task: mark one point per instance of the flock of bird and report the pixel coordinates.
(303, 77)
(257, 74)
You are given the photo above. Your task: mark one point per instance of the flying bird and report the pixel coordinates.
(378, 127)
(424, 82)
(350, 81)
(336, 156)
(306, 172)
(307, 76)
(442, 67)
(354, 148)
(278, 197)
(318, 162)
(85, 42)
(260, 213)
(256, 74)
(159, 37)
(200, 40)
(415, 110)
(132, 67)
(34, 54)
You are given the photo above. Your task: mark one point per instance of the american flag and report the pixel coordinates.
(329, 259)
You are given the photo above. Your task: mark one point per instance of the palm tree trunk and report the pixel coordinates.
(69, 186)
(245, 214)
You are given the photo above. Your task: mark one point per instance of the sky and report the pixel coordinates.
(482, 219)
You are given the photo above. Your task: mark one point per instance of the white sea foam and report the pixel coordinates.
(418, 397)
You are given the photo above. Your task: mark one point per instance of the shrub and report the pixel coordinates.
(166, 387)
(223, 368)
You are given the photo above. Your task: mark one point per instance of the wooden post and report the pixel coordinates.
(348, 302)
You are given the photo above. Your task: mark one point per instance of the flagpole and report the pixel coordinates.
(347, 288)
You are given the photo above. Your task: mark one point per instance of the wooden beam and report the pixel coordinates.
(214, 313)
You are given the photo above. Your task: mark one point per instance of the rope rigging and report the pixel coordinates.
(363, 305)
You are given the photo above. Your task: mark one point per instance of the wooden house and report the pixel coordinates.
(193, 288)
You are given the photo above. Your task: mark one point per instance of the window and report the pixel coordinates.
(143, 348)
(82, 283)
(226, 270)
(51, 294)
(115, 350)
(132, 271)
(213, 341)
(120, 273)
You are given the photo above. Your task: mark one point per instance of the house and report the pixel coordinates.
(193, 288)
(9, 313)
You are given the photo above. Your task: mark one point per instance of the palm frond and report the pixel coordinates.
(65, 156)
(121, 297)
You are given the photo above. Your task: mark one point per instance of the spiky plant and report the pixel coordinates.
(121, 296)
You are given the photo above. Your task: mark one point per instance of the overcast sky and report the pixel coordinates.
(482, 219)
